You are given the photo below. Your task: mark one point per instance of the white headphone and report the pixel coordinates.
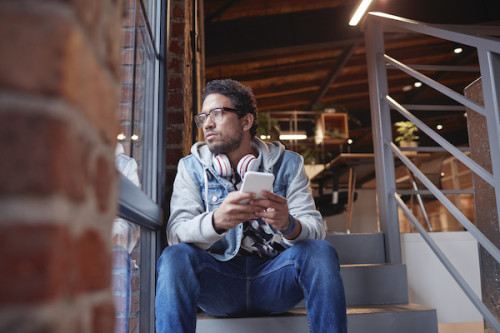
(248, 162)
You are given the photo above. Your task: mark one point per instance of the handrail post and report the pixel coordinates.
(382, 137)
(490, 77)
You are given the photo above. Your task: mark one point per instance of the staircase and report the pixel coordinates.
(376, 296)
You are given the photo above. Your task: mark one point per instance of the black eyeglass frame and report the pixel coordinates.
(198, 118)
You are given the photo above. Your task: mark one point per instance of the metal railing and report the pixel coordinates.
(381, 104)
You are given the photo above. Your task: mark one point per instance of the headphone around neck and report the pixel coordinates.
(248, 162)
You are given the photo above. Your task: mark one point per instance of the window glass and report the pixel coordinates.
(133, 233)
(126, 275)
(138, 104)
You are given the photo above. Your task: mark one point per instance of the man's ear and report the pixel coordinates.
(247, 121)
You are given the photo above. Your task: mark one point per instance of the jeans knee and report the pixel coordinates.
(318, 252)
(175, 257)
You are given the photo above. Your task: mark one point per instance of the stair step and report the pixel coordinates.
(396, 318)
(375, 284)
(358, 248)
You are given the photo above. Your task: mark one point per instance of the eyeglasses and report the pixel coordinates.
(215, 115)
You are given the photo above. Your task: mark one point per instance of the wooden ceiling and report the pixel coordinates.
(302, 55)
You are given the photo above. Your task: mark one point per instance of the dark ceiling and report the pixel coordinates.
(302, 55)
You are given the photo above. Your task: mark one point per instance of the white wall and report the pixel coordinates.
(430, 283)
(364, 215)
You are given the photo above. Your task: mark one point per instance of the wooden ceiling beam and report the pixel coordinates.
(257, 8)
(276, 53)
(334, 73)
(221, 10)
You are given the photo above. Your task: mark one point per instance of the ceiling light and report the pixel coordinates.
(417, 84)
(359, 12)
(458, 50)
(439, 127)
(407, 88)
(121, 137)
(349, 141)
(293, 137)
(134, 137)
(300, 135)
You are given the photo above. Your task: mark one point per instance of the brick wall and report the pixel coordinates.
(59, 88)
(179, 102)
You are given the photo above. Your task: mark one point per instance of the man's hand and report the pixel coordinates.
(231, 212)
(274, 210)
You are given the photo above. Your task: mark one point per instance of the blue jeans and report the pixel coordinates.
(247, 285)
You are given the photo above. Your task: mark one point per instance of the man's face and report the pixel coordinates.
(225, 135)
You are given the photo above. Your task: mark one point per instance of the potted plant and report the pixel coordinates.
(407, 136)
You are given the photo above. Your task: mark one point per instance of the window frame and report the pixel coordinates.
(143, 206)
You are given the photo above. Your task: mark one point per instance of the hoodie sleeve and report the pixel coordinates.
(189, 222)
(301, 206)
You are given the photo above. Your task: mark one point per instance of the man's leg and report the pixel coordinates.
(189, 276)
(309, 269)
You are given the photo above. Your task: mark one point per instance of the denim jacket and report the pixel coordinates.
(191, 207)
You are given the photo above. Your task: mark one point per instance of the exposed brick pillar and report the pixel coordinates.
(179, 106)
(59, 87)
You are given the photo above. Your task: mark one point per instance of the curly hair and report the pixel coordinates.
(241, 97)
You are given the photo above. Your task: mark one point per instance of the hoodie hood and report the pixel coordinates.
(271, 151)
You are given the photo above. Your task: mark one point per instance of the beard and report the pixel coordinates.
(231, 141)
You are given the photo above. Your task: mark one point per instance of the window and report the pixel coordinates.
(135, 230)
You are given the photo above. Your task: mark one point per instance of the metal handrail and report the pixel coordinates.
(381, 103)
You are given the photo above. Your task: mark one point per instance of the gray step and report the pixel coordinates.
(407, 318)
(373, 284)
(358, 248)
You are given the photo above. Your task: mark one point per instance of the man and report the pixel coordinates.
(234, 259)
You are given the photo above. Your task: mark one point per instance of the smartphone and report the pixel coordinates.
(256, 182)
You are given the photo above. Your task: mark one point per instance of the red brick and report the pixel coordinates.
(45, 156)
(120, 302)
(125, 110)
(127, 57)
(50, 56)
(126, 95)
(177, 30)
(175, 100)
(104, 178)
(176, 46)
(175, 64)
(36, 261)
(175, 83)
(109, 35)
(129, 18)
(93, 261)
(103, 318)
(135, 280)
(175, 117)
(135, 303)
(127, 74)
(174, 136)
(128, 38)
(26, 322)
(136, 255)
(120, 325)
(174, 155)
(178, 12)
(101, 19)
(132, 324)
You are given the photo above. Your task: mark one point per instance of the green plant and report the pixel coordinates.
(406, 130)
(266, 124)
